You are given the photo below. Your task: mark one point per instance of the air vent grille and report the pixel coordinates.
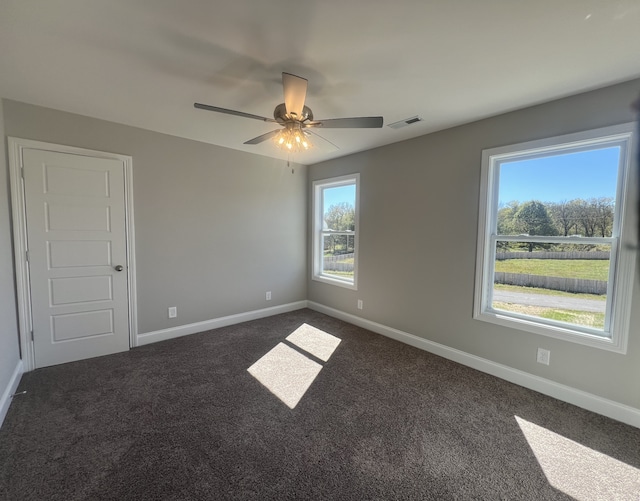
(405, 122)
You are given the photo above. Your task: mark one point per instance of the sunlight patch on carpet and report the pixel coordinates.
(288, 373)
(577, 470)
(315, 341)
(285, 373)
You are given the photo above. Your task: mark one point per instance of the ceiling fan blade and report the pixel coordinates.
(231, 112)
(263, 137)
(295, 93)
(323, 140)
(348, 123)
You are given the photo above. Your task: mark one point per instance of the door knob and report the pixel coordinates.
(118, 268)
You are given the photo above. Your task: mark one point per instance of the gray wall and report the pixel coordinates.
(9, 351)
(419, 203)
(215, 228)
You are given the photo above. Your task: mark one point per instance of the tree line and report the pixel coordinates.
(591, 217)
(340, 217)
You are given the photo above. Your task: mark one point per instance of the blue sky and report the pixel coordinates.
(587, 174)
(339, 194)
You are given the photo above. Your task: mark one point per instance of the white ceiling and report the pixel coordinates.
(145, 62)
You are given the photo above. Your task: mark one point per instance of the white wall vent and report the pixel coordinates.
(405, 122)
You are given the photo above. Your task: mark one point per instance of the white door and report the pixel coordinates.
(75, 215)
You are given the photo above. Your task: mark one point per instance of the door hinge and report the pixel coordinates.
(26, 256)
(32, 336)
(22, 172)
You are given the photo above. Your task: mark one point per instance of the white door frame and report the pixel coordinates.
(23, 289)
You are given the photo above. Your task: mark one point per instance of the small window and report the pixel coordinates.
(335, 230)
(553, 256)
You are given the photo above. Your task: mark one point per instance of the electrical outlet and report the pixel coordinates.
(359, 304)
(544, 356)
(268, 295)
(173, 311)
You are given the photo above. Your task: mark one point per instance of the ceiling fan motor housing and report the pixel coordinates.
(280, 114)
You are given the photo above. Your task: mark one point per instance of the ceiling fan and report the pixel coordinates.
(296, 118)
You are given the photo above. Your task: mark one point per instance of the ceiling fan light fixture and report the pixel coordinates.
(292, 139)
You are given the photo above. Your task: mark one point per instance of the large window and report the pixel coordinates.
(335, 230)
(553, 254)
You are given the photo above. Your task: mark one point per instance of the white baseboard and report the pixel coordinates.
(184, 330)
(594, 403)
(11, 388)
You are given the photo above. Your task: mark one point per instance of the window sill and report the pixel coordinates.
(554, 331)
(334, 281)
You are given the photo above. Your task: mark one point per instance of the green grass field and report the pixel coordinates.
(339, 273)
(576, 317)
(591, 269)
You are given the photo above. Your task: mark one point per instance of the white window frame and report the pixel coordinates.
(318, 231)
(622, 262)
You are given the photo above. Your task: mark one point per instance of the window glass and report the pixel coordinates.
(339, 210)
(563, 282)
(335, 230)
(559, 194)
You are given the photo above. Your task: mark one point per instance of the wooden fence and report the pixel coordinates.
(501, 256)
(333, 266)
(338, 257)
(336, 263)
(554, 283)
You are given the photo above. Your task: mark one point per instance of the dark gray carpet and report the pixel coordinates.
(183, 419)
